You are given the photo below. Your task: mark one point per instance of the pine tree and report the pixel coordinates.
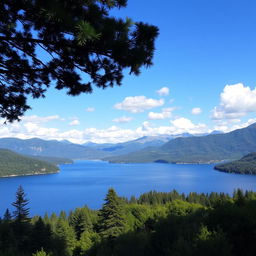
(84, 44)
(21, 225)
(7, 216)
(65, 238)
(112, 222)
(21, 213)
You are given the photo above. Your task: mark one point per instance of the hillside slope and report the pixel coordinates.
(210, 148)
(13, 164)
(246, 165)
(52, 148)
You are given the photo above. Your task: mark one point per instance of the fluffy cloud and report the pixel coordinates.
(90, 109)
(182, 125)
(74, 122)
(235, 101)
(123, 119)
(164, 91)
(27, 129)
(113, 134)
(138, 104)
(196, 111)
(166, 113)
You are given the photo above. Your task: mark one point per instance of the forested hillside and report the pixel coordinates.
(12, 164)
(154, 224)
(204, 149)
(246, 165)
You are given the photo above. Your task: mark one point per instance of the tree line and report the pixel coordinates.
(156, 223)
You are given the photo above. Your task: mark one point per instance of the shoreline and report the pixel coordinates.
(27, 174)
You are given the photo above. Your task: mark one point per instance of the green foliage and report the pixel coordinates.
(83, 44)
(246, 165)
(40, 253)
(157, 223)
(212, 242)
(12, 164)
(65, 238)
(182, 208)
(82, 220)
(112, 221)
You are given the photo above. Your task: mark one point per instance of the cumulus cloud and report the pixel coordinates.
(166, 113)
(123, 119)
(235, 101)
(113, 134)
(164, 91)
(74, 122)
(182, 125)
(138, 104)
(90, 109)
(196, 111)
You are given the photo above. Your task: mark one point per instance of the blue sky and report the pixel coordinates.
(203, 79)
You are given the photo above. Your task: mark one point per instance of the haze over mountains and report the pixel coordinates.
(183, 148)
(204, 149)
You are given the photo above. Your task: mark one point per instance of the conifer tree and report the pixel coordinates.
(75, 43)
(21, 212)
(65, 238)
(7, 216)
(21, 225)
(112, 222)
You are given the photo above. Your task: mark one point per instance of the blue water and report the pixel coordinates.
(87, 182)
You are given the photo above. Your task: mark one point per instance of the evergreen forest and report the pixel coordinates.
(245, 165)
(154, 224)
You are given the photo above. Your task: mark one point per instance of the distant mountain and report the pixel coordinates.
(246, 165)
(13, 164)
(130, 146)
(210, 148)
(52, 148)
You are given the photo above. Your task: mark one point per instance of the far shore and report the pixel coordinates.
(27, 174)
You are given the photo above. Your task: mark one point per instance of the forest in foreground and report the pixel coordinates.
(156, 223)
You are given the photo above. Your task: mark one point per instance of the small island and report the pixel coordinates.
(13, 164)
(246, 165)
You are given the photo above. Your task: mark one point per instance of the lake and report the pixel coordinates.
(87, 182)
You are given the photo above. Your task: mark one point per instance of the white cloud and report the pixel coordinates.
(74, 122)
(123, 119)
(138, 104)
(113, 134)
(166, 113)
(40, 119)
(164, 91)
(235, 101)
(196, 111)
(233, 124)
(90, 109)
(182, 125)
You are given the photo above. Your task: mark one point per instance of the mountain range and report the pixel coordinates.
(202, 149)
(183, 148)
(90, 150)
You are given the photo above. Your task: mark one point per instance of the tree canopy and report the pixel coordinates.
(74, 43)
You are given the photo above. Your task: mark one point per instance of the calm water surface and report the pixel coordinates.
(86, 183)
